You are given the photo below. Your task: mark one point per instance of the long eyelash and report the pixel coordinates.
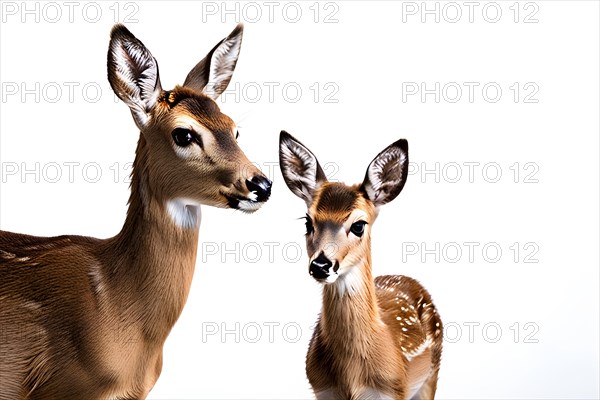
(308, 223)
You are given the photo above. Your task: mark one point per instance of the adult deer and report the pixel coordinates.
(375, 339)
(84, 318)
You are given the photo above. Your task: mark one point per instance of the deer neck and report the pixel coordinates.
(151, 261)
(350, 317)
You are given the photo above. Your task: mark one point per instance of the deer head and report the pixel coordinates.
(188, 153)
(339, 217)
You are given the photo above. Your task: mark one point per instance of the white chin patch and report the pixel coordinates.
(249, 205)
(332, 278)
(185, 213)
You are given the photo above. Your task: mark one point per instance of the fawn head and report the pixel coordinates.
(339, 217)
(189, 147)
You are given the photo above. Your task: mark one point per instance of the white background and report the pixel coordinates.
(534, 324)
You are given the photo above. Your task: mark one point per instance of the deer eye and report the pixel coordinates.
(237, 135)
(309, 225)
(184, 137)
(358, 228)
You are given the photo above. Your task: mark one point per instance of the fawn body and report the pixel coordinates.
(85, 318)
(375, 338)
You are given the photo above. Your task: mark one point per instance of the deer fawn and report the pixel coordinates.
(85, 318)
(375, 339)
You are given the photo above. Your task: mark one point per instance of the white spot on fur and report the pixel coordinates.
(32, 305)
(6, 255)
(419, 350)
(10, 256)
(95, 274)
(185, 213)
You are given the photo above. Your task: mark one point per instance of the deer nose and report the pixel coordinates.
(260, 186)
(319, 267)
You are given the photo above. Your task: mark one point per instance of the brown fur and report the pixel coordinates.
(377, 338)
(359, 343)
(85, 318)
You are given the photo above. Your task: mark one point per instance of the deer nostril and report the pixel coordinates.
(336, 267)
(261, 186)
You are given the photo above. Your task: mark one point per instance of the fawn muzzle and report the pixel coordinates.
(319, 267)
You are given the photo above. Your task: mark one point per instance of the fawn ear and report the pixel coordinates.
(300, 168)
(133, 74)
(212, 75)
(386, 175)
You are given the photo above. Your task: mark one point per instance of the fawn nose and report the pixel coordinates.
(319, 267)
(260, 186)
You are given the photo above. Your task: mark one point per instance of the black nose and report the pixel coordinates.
(261, 186)
(319, 267)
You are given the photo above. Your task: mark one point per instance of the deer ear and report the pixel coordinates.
(212, 75)
(300, 168)
(133, 74)
(386, 175)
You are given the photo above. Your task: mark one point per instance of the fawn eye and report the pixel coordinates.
(358, 228)
(237, 135)
(309, 225)
(182, 137)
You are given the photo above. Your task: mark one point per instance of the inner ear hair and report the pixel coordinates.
(387, 173)
(300, 168)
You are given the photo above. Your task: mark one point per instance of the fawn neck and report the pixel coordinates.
(149, 265)
(350, 315)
